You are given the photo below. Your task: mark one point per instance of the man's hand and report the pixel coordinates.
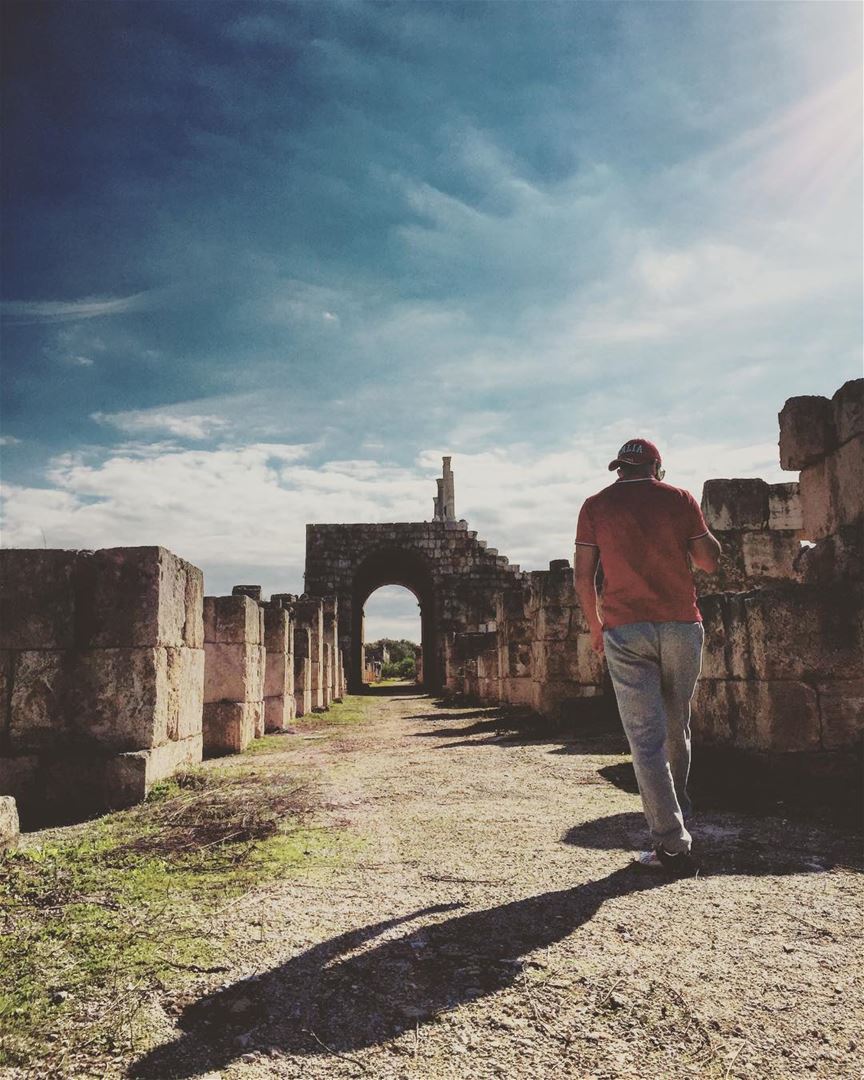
(597, 639)
(705, 552)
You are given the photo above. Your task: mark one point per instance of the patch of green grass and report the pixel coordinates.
(353, 709)
(128, 901)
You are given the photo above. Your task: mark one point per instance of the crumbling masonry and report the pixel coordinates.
(115, 669)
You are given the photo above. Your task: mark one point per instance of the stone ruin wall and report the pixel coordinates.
(784, 662)
(102, 674)
(783, 667)
(455, 576)
(115, 670)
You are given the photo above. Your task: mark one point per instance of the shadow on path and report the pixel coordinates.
(334, 998)
(328, 1001)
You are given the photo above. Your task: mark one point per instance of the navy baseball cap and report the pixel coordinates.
(636, 452)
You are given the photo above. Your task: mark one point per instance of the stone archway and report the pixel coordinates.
(391, 565)
(454, 576)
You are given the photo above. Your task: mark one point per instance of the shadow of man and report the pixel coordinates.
(339, 996)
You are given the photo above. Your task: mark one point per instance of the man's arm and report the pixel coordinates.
(705, 552)
(585, 561)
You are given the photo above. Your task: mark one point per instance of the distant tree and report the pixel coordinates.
(399, 650)
(406, 668)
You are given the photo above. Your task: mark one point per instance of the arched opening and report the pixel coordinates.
(392, 635)
(390, 566)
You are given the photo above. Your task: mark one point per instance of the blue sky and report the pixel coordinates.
(264, 263)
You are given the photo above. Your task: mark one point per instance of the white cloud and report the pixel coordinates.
(9, 440)
(79, 361)
(241, 512)
(179, 424)
(93, 307)
(392, 612)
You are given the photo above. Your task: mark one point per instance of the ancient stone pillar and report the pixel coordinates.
(279, 705)
(302, 671)
(309, 614)
(331, 640)
(328, 675)
(233, 673)
(449, 500)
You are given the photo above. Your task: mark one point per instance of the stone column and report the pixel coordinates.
(328, 675)
(331, 639)
(309, 613)
(233, 673)
(302, 671)
(449, 502)
(279, 706)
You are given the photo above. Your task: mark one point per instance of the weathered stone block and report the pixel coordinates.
(730, 575)
(233, 620)
(131, 699)
(553, 622)
(193, 632)
(185, 692)
(770, 555)
(517, 691)
(9, 826)
(784, 507)
(258, 718)
(229, 726)
(277, 630)
(129, 777)
(518, 662)
(735, 504)
(712, 711)
(302, 685)
(138, 597)
(841, 705)
(832, 491)
(806, 431)
(38, 712)
(279, 712)
(848, 410)
(836, 558)
(37, 598)
(726, 654)
(778, 716)
(252, 591)
(234, 672)
(107, 699)
(805, 632)
(278, 674)
(302, 642)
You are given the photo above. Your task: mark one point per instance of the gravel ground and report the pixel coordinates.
(492, 925)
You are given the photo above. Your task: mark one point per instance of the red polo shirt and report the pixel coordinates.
(641, 528)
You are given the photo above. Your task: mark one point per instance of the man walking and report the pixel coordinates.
(645, 534)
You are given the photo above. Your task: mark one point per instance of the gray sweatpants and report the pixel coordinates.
(654, 668)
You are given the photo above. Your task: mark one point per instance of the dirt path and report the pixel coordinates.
(491, 925)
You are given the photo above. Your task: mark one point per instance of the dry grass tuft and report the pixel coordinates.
(201, 810)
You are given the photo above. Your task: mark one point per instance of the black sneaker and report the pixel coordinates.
(678, 865)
